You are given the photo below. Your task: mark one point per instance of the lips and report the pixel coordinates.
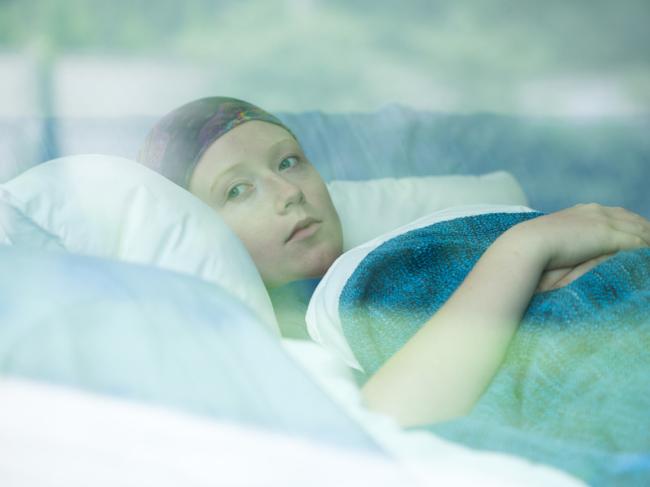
(303, 229)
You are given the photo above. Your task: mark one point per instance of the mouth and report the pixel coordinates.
(305, 228)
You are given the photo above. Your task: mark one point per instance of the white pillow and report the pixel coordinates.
(371, 208)
(112, 207)
(323, 320)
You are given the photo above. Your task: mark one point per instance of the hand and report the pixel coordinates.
(557, 278)
(581, 233)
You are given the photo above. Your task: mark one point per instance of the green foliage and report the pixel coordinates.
(421, 52)
(562, 32)
(82, 24)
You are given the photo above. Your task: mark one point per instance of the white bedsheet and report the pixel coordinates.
(53, 436)
(420, 451)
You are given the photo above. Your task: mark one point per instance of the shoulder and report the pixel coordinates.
(322, 315)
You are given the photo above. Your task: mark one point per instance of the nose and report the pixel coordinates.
(286, 193)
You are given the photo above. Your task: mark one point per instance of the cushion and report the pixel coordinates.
(158, 337)
(112, 207)
(18, 229)
(371, 208)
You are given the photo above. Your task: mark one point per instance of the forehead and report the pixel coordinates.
(252, 138)
(250, 142)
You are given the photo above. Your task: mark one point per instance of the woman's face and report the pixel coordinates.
(260, 182)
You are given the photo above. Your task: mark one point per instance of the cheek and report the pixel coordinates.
(317, 194)
(249, 226)
(323, 201)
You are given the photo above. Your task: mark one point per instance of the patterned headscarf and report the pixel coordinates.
(175, 144)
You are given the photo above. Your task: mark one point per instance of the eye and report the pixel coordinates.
(288, 163)
(236, 191)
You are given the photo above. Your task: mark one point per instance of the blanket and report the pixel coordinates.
(574, 388)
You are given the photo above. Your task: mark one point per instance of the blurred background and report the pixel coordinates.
(85, 58)
(460, 86)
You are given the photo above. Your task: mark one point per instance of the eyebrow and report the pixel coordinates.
(220, 176)
(275, 150)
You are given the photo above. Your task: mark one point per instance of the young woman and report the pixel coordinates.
(248, 166)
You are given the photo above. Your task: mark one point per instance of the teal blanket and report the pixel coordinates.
(574, 388)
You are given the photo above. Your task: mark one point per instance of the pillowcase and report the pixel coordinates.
(112, 207)
(323, 321)
(23, 231)
(398, 201)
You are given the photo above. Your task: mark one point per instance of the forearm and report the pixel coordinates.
(557, 278)
(444, 368)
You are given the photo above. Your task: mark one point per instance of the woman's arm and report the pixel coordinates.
(444, 368)
(557, 278)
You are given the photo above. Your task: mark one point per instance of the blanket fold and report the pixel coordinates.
(574, 388)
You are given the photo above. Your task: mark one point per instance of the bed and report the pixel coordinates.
(125, 299)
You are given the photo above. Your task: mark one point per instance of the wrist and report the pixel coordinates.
(525, 239)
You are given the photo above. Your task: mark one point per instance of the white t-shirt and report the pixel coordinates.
(323, 320)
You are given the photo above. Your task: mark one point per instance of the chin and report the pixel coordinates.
(314, 268)
(311, 265)
(321, 262)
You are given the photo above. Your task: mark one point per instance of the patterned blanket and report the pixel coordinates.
(574, 388)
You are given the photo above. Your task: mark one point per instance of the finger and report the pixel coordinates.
(623, 238)
(599, 212)
(623, 214)
(632, 227)
(580, 270)
(550, 278)
(625, 221)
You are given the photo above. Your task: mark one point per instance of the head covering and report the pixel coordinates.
(175, 144)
